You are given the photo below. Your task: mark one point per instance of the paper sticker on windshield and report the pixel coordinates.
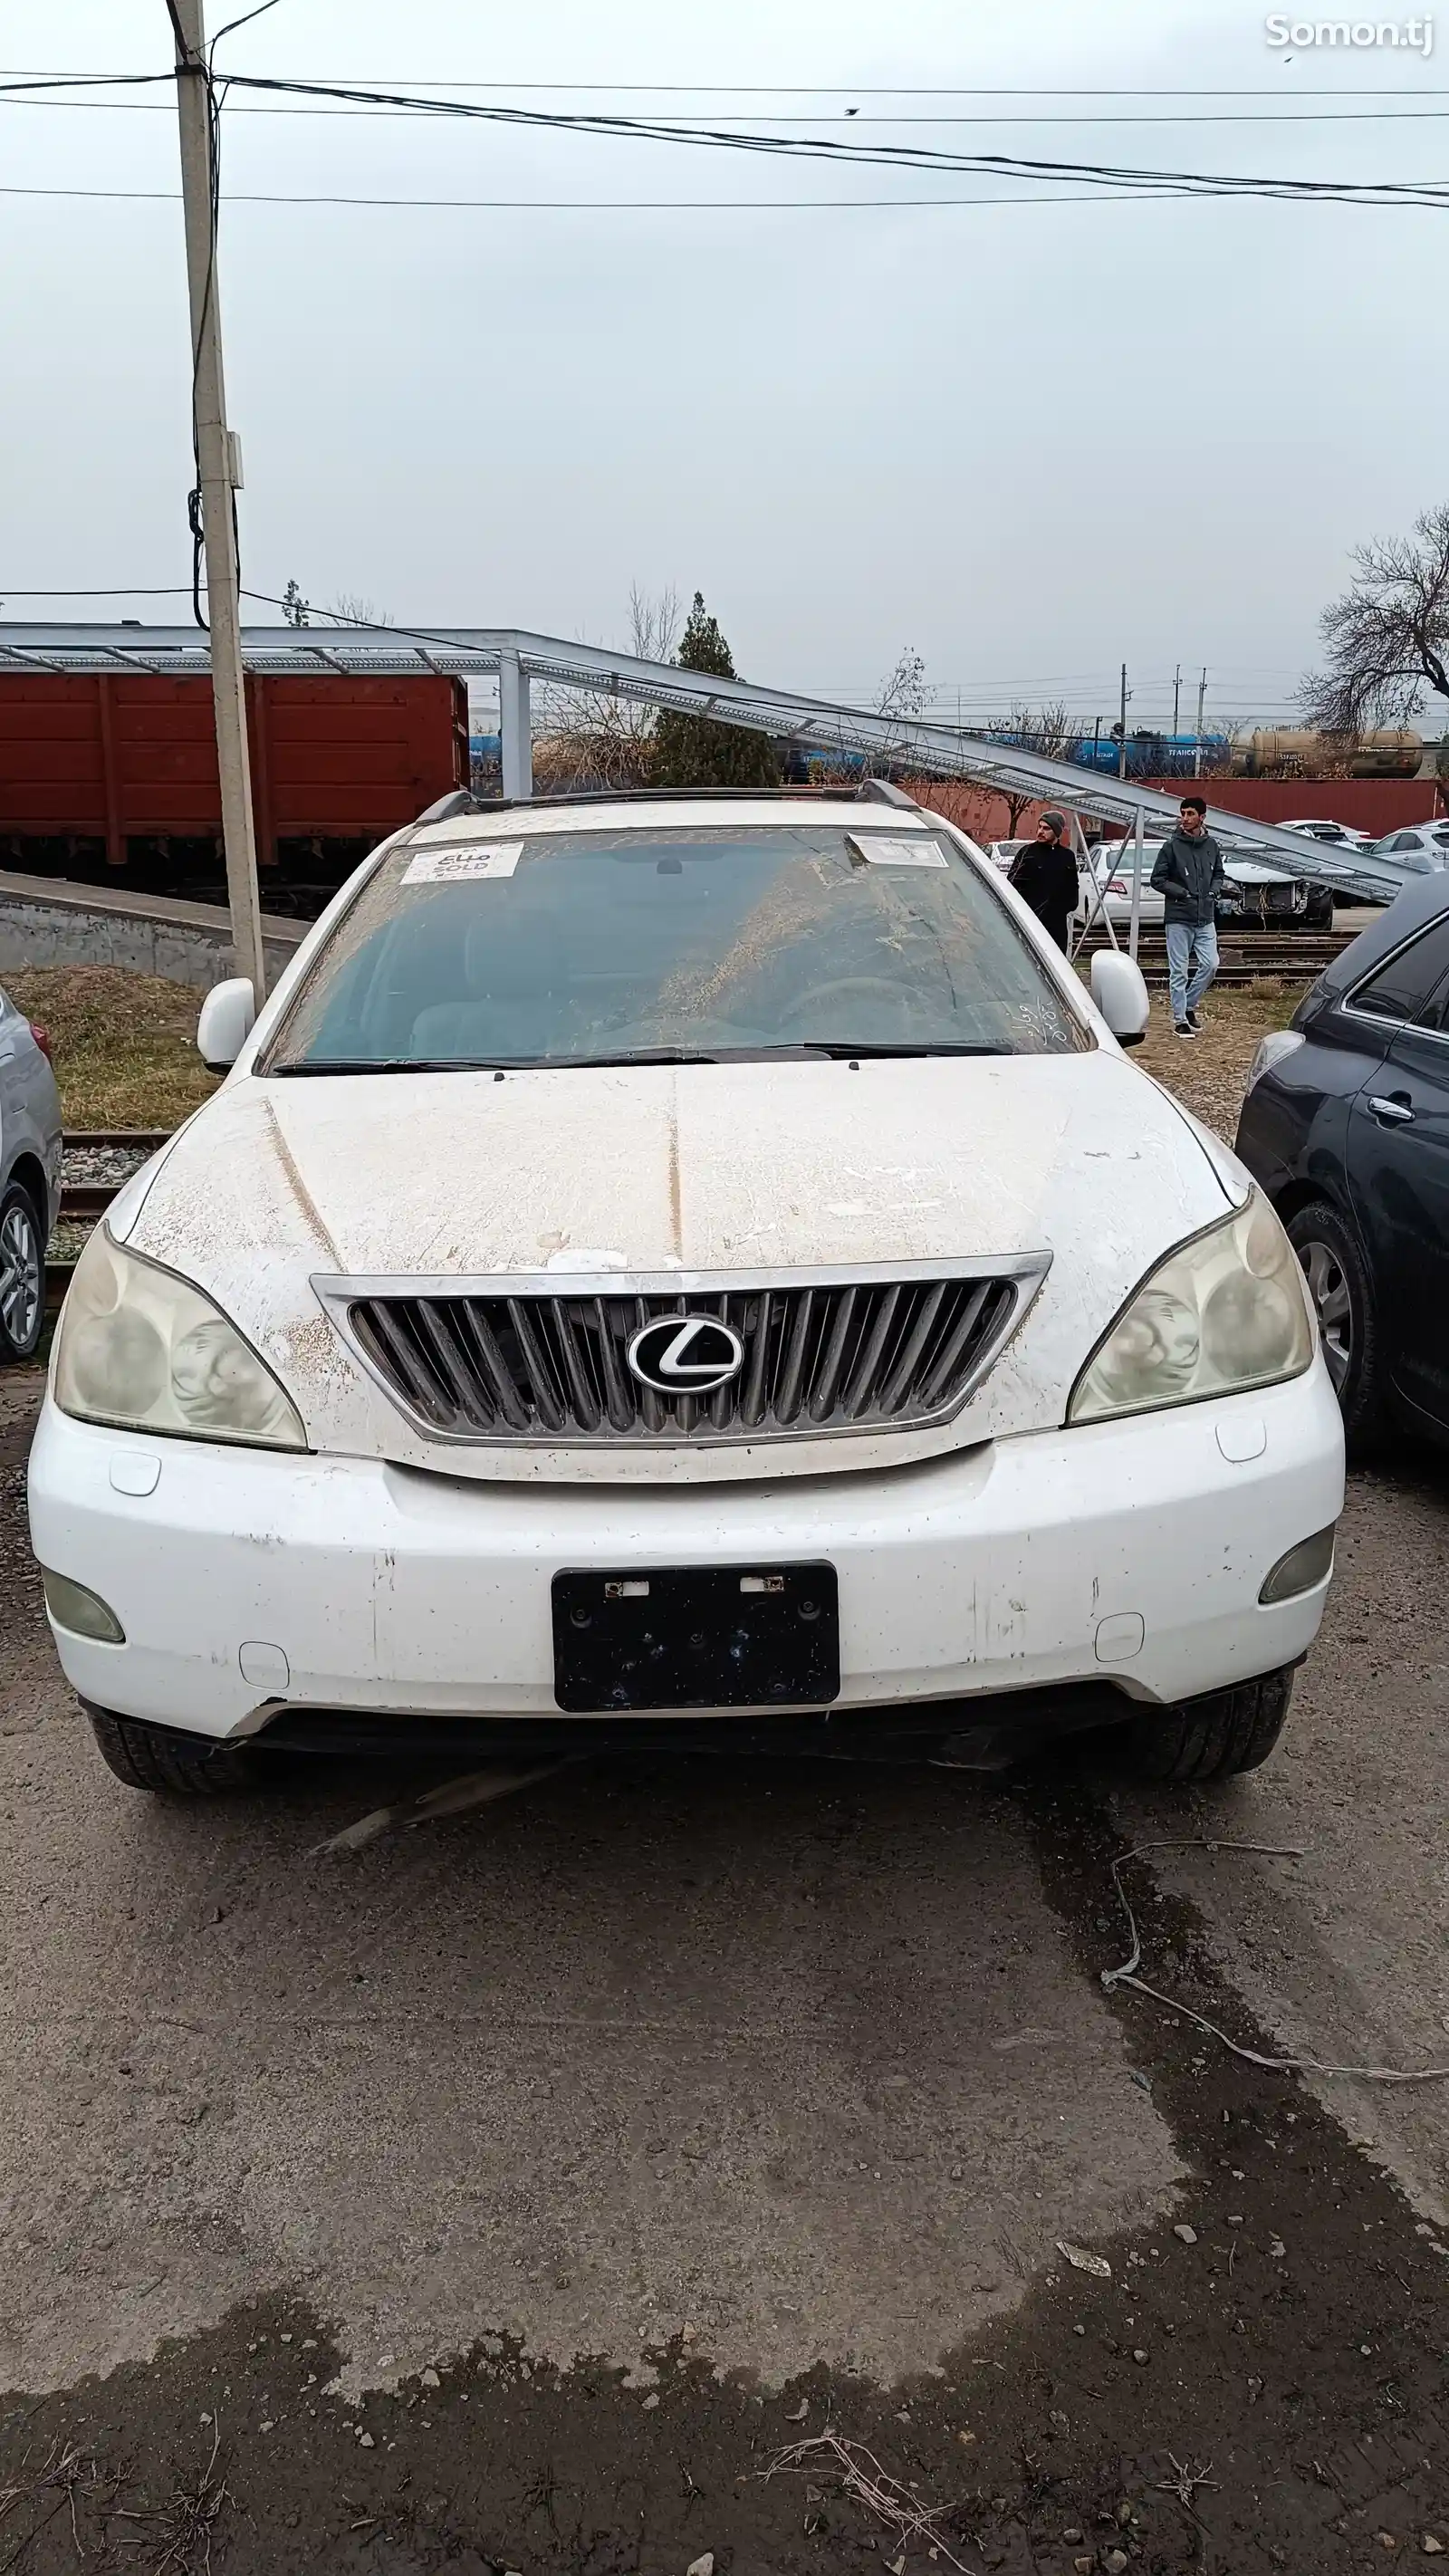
(887, 851)
(447, 867)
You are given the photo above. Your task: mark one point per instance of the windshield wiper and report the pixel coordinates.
(834, 1049)
(695, 1055)
(396, 1064)
(838, 1047)
(551, 1063)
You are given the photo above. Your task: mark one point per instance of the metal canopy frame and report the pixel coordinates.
(517, 657)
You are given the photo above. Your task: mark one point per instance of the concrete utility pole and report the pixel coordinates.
(1122, 728)
(219, 475)
(1197, 750)
(1176, 696)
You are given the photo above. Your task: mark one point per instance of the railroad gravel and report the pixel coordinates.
(94, 1166)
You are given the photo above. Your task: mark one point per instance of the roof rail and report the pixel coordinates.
(459, 800)
(884, 791)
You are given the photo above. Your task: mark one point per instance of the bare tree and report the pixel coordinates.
(653, 622)
(902, 696)
(594, 737)
(1386, 640)
(1049, 730)
(355, 611)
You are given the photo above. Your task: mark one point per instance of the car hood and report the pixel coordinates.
(803, 1165)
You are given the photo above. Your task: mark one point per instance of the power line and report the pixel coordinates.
(601, 205)
(877, 155)
(1027, 116)
(752, 89)
(916, 157)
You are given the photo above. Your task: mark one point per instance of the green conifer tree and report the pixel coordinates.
(697, 751)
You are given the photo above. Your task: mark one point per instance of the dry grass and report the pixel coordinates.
(1209, 1074)
(124, 1045)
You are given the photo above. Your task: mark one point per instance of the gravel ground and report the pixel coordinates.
(93, 1164)
(512, 2195)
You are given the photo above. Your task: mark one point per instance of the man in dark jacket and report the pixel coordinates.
(1188, 875)
(1044, 874)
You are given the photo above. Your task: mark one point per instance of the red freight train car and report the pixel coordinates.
(117, 770)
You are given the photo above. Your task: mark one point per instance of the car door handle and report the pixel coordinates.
(1394, 1112)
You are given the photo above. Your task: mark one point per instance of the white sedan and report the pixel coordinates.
(675, 1273)
(1259, 897)
(1343, 836)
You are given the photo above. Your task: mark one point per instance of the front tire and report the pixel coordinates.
(1343, 1300)
(167, 1762)
(22, 1275)
(1212, 1738)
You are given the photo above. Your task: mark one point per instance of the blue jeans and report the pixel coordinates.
(1197, 946)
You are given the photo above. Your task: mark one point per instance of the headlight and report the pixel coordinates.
(139, 1348)
(1226, 1311)
(1272, 1049)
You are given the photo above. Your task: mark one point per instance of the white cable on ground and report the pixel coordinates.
(1127, 1975)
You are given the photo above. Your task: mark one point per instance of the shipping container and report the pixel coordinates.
(1375, 805)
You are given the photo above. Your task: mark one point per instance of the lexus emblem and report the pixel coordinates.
(685, 1354)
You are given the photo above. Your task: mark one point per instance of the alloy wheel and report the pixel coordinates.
(1328, 1288)
(21, 1281)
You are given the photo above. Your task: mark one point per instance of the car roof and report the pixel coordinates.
(668, 811)
(1422, 901)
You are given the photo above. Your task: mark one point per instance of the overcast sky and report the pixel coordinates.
(1028, 439)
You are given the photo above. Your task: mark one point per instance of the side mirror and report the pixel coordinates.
(1120, 994)
(228, 1016)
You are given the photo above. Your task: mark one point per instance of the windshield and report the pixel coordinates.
(607, 947)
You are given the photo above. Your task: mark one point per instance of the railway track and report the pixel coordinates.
(1245, 957)
(82, 1202)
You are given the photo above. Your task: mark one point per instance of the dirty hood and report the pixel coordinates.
(697, 1167)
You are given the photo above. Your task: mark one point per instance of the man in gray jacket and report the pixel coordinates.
(1188, 875)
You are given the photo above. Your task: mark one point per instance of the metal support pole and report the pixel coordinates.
(1097, 908)
(1136, 923)
(219, 476)
(514, 726)
(1122, 729)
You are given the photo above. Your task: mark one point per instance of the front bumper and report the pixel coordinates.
(254, 1586)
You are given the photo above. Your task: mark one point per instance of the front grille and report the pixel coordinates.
(844, 1355)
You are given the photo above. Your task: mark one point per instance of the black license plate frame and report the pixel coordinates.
(698, 1636)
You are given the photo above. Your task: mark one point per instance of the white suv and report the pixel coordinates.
(681, 1270)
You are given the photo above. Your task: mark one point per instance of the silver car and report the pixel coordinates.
(30, 1149)
(1420, 848)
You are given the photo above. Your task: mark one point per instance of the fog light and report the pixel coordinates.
(1306, 1565)
(84, 1613)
